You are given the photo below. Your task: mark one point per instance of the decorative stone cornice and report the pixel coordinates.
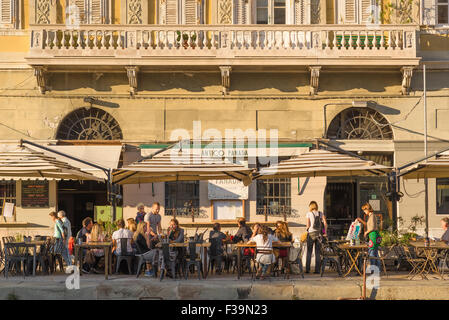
(407, 73)
(314, 79)
(40, 72)
(225, 78)
(131, 72)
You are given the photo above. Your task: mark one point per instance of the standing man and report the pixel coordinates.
(153, 221)
(66, 223)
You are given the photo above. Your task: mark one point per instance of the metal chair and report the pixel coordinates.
(14, 254)
(417, 263)
(167, 259)
(124, 255)
(215, 254)
(194, 259)
(329, 256)
(443, 258)
(296, 258)
(382, 254)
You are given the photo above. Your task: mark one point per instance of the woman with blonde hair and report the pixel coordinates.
(284, 235)
(316, 227)
(93, 256)
(142, 240)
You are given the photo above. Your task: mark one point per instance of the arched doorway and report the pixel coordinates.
(344, 196)
(80, 199)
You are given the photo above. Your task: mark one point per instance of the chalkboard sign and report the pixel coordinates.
(35, 194)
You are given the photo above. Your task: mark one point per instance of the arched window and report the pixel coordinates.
(360, 124)
(89, 124)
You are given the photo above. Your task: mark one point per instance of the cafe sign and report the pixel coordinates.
(35, 194)
(230, 189)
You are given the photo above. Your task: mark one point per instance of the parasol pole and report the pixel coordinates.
(426, 186)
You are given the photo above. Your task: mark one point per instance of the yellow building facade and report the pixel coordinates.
(135, 72)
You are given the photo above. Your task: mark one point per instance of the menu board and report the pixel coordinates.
(35, 194)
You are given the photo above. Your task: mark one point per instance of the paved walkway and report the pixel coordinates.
(329, 287)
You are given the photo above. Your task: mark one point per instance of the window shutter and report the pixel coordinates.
(350, 11)
(170, 16)
(82, 5)
(6, 14)
(429, 12)
(96, 12)
(240, 12)
(368, 12)
(302, 11)
(190, 16)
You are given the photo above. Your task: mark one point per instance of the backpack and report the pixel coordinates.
(317, 223)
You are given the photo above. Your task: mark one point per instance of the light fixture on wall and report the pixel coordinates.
(102, 103)
(359, 104)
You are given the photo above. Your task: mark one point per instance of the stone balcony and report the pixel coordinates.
(245, 48)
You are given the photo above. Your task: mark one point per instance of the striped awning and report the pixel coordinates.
(187, 167)
(23, 163)
(437, 167)
(318, 163)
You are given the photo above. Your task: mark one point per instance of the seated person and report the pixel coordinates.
(218, 245)
(94, 255)
(243, 233)
(265, 257)
(175, 233)
(132, 226)
(445, 226)
(142, 241)
(120, 234)
(81, 237)
(284, 235)
(87, 227)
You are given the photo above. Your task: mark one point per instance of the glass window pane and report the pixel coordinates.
(262, 16)
(279, 3)
(442, 1)
(262, 3)
(442, 14)
(443, 196)
(279, 15)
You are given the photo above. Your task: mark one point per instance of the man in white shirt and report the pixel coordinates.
(120, 234)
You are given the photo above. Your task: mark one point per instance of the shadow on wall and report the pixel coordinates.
(368, 82)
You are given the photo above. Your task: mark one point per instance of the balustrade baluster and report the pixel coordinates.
(390, 41)
(359, 41)
(382, 40)
(376, 43)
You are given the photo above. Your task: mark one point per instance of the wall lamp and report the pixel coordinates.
(102, 103)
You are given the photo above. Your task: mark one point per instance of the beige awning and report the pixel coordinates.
(190, 167)
(22, 163)
(434, 168)
(105, 156)
(316, 163)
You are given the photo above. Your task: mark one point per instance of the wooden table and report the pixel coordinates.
(431, 253)
(107, 248)
(349, 249)
(29, 244)
(204, 245)
(286, 245)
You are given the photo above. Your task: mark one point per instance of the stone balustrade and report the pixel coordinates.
(223, 45)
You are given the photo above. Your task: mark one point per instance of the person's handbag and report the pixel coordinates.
(304, 237)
